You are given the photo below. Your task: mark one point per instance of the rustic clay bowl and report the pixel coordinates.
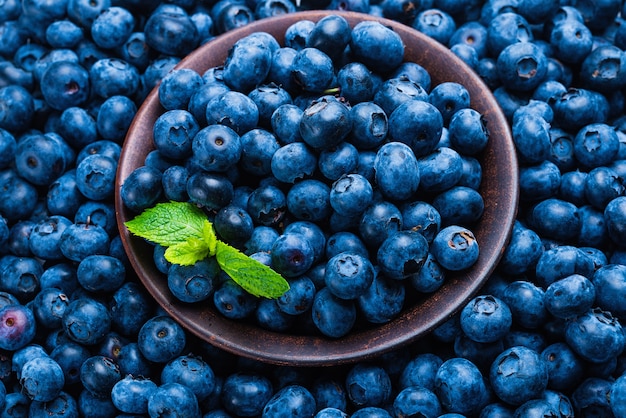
(499, 190)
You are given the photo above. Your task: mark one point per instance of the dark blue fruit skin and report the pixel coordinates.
(368, 385)
(402, 254)
(293, 161)
(130, 394)
(592, 330)
(86, 321)
(416, 400)
(486, 319)
(325, 123)
(18, 327)
(246, 394)
(518, 374)
(348, 275)
(294, 400)
(418, 124)
(292, 255)
(42, 379)
(383, 300)
(193, 283)
(396, 170)
(376, 46)
(455, 248)
(160, 339)
(460, 387)
(173, 397)
(332, 316)
(571, 296)
(99, 374)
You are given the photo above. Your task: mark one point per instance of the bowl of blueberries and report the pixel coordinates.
(317, 188)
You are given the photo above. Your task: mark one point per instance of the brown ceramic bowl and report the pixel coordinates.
(499, 190)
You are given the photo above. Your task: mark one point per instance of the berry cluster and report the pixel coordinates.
(364, 191)
(80, 337)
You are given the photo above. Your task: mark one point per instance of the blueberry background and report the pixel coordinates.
(549, 342)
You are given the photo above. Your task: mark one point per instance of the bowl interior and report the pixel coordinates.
(499, 190)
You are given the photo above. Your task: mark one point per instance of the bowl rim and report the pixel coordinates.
(243, 339)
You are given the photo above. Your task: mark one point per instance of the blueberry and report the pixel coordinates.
(70, 356)
(570, 296)
(383, 300)
(309, 200)
(81, 240)
(356, 82)
(455, 248)
(293, 161)
(268, 98)
(369, 125)
(114, 117)
(99, 374)
(325, 123)
(63, 405)
(571, 40)
(193, 283)
(285, 123)
(417, 400)
(130, 394)
(295, 399)
(397, 170)
(486, 319)
(380, 220)
(332, 316)
(246, 394)
(526, 302)
(591, 330)
(435, 23)
(212, 191)
(42, 379)
(234, 302)
(161, 339)
(40, 159)
(21, 276)
(17, 327)
(460, 386)
(234, 110)
(86, 321)
(171, 33)
(65, 84)
(368, 385)
(113, 76)
(192, 372)
(173, 398)
(292, 254)
(395, 91)
(459, 205)
(507, 28)
(418, 124)
(592, 397)
(247, 64)
(518, 375)
(376, 46)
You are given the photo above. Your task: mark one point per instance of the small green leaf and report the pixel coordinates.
(169, 223)
(253, 276)
(187, 253)
(209, 236)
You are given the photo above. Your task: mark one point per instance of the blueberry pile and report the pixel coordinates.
(357, 198)
(79, 336)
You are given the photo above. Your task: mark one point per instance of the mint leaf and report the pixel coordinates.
(169, 223)
(187, 253)
(253, 276)
(209, 236)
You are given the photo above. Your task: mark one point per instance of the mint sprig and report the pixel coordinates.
(189, 237)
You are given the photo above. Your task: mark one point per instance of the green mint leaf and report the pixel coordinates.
(187, 253)
(253, 276)
(169, 223)
(209, 236)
